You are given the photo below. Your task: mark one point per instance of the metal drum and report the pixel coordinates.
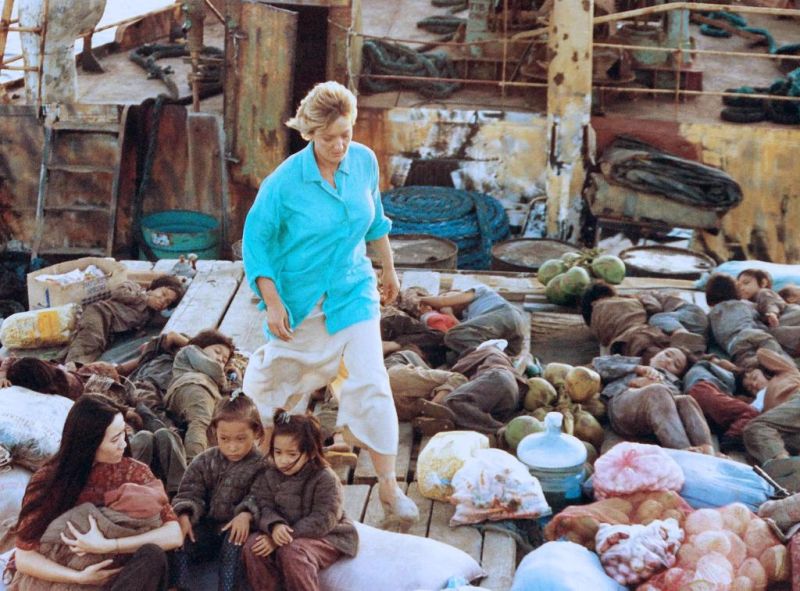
(666, 261)
(419, 251)
(528, 254)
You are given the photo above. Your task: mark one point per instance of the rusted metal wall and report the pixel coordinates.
(21, 141)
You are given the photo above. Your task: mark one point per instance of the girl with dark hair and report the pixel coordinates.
(93, 459)
(210, 503)
(303, 528)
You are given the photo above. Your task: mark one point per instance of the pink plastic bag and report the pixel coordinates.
(629, 467)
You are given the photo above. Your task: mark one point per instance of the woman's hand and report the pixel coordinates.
(264, 546)
(282, 534)
(97, 574)
(390, 286)
(278, 321)
(240, 528)
(186, 526)
(91, 542)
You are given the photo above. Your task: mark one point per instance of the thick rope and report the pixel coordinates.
(474, 221)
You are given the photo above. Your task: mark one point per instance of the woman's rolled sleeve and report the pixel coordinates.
(259, 238)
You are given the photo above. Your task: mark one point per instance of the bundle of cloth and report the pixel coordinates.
(129, 510)
(640, 166)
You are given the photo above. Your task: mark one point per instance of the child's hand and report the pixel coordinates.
(649, 372)
(282, 534)
(264, 546)
(240, 528)
(772, 320)
(186, 526)
(5, 382)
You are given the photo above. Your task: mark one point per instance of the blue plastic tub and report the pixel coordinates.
(181, 232)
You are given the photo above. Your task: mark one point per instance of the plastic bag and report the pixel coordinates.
(630, 467)
(715, 482)
(494, 485)
(442, 457)
(631, 554)
(12, 488)
(726, 548)
(562, 566)
(51, 327)
(580, 523)
(31, 425)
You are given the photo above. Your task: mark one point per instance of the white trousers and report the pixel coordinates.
(285, 374)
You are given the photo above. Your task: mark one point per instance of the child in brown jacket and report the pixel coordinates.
(299, 500)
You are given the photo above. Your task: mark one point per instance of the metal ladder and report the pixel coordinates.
(82, 148)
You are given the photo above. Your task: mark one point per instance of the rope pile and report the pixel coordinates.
(474, 221)
(393, 59)
(751, 110)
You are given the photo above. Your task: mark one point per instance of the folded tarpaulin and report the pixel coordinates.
(640, 166)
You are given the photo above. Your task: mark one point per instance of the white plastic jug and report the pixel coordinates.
(557, 460)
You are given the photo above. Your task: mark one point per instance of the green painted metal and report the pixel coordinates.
(181, 232)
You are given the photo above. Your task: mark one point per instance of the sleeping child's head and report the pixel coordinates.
(296, 441)
(236, 425)
(164, 292)
(721, 288)
(750, 281)
(215, 345)
(790, 294)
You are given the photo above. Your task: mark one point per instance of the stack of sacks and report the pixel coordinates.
(629, 467)
(580, 523)
(631, 554)
(729, 548)
(494, 485)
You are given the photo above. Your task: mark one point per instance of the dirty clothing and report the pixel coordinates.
(620, 324)
(657, 409)
(411, 379)
(126, 309)
(775, 431)
(193, 394)
(155, 364)
(163, 451)
(294, 567)
(787, 333)
(401, 328)
(724, 411)
(670, 313)
(285, 373)
(210, 544)
(489, 316)
(785, 380)
(737, 329)
(493, 394)
(311, 502)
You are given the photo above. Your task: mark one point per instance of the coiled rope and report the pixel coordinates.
(474, 221)
(393, 59)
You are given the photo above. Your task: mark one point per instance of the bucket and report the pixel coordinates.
(420, 251)
(527, 254)
(181, 232)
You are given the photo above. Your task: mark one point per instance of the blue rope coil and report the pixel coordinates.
(474, 221)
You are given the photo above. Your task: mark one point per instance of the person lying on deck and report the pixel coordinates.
(49, 377)
(642, 324)
(440, 320)
(128, 308)
(197, 385)
(774, 435)
(781, 317)
(790, 294)
(485, 315)
(735, 323)
(643, 398)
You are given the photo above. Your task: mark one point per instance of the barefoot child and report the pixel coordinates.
(302, 524)
(209, 503)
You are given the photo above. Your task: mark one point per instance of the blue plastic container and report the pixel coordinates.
(181, 232)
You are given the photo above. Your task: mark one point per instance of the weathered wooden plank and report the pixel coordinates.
(465, 538)
(365, 472)
(374, 514)
(207, 298)
(429, 280)
(243, 321)
(137, 266)
(425, 507)
(355, 500)
(499, 558)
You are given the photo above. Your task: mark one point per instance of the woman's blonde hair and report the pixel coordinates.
(323, 105)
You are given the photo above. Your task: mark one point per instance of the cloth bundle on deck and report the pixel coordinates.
(630, 467)
(580, 523)
(640, 166)
(442, 457)
(562, 566)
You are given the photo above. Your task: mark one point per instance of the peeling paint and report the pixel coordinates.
(558, 79)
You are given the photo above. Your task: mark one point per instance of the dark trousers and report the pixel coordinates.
(294, 567)
(210, 544)
(486, 402)
(147, 570)
(726, 412)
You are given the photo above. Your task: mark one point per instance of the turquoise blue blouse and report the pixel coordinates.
(310, 238)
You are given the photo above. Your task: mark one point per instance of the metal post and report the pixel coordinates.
(569, 101)
(195, 16)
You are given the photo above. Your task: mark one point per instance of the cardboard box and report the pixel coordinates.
(48, 294)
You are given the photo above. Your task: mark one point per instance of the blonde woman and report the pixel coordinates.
(304, 250)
